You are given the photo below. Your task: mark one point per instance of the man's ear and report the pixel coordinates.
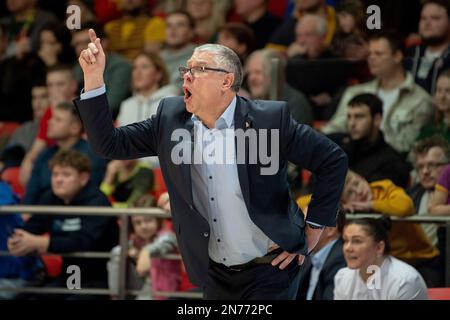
(84, 178)
(377, 120)
(228, 81)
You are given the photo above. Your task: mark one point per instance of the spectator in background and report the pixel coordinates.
(135, 30)
(258, 71)
(70, 185)
(238, 37)
(117, 71)
(86, 10)
(367, 244)
(427, 60)
(61, 87)
(25, 135)
(150, 83)
(255, 14)
(179, 47)
(320, 267)
(65, 129)
(208, 15)
(15, 272)
(126, 180)
(368, 153)
(430, 157)
(406, 106)
(17, 76)
(408, 240)
(441, 123)
(54, 45)
(284, 35)
(23, 26)
(350, 40)
(310, 47)
(148, 242)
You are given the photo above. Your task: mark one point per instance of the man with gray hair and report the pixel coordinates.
(322, 78)
(240, 233)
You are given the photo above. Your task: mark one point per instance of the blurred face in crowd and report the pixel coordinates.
(204, 89)
(382, 60)
(199, 9)
(442, 94)
(226, 39)
(356, 189)
(67, 182)
(309, 37)
(63, 125)
(258, 80)
(246, 7)
(360, 249)
(80, 41)
(49, 45)
(16, 6)
(145, 227)
(360, 124)
(309, 5)
(346, 22)
(61, 86)
(145, 76)
(178, 31)
(132, 5)
(39, 101)
(429, 166)
(434, 24)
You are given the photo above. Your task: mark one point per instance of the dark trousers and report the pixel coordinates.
(260, 282)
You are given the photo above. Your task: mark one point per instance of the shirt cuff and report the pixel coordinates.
(315, 224)
(93, 93)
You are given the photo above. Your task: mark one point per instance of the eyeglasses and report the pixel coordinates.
(198, 70)
(430, 165)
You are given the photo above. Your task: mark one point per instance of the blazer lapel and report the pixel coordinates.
(244, 122)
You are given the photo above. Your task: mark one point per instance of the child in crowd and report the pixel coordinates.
(147, 270)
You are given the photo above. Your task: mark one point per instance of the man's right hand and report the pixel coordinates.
(92, 61)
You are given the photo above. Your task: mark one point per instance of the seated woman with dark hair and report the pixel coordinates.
(371, 273)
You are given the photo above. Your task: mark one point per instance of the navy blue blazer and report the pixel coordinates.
(267, 197)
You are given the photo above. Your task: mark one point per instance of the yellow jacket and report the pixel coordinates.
(407, 240)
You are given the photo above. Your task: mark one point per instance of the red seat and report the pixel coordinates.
(439, 293)
(8, 128)
(11, 176)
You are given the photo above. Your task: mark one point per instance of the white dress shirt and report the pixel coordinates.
(398, 281)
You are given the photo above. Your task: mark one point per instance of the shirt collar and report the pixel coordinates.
(226, 120)
(318, 259)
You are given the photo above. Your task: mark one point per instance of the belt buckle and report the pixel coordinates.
(235, 269)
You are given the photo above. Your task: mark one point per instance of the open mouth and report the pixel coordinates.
(187, 94)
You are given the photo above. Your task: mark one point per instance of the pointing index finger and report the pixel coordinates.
(92, 35)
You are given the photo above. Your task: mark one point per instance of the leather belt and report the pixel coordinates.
(267, 259)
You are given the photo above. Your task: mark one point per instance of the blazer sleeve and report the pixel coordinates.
(129, 142)
(311, 150)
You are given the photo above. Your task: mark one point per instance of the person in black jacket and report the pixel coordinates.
(318, 271)
(70, 233)
(368, 153)
(427, 60)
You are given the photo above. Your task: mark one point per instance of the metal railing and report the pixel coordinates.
(123, 213)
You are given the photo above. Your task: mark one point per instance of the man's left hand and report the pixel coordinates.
(285, 258)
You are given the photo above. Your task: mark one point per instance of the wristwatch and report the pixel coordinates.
(312, 226)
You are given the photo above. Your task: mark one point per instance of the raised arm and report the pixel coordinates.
(129, 142)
